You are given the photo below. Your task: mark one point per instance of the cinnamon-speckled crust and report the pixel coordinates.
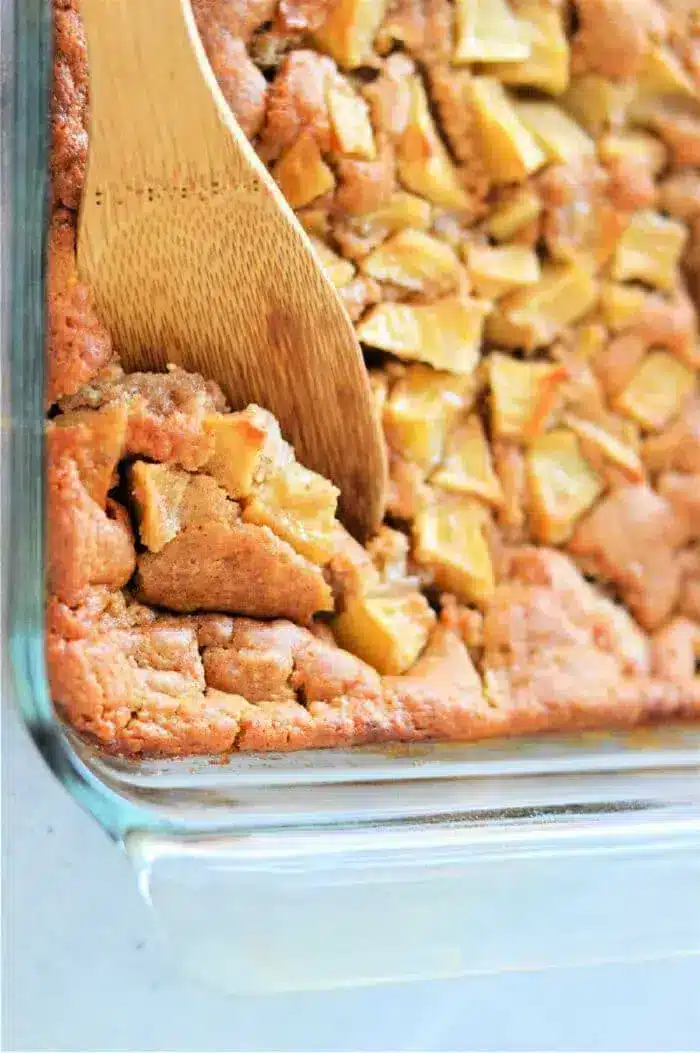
(243, 85)
(424, 27)
(165, 412)
(215, 684)
(89, 543)
(297, 102)
(613, 36)
(631, 539)
(364, 186)
(232, 567)
(78, 344)
(69, 140)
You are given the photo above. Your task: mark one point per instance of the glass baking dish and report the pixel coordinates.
(297, 871)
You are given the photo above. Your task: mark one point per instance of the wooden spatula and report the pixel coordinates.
(195, 257)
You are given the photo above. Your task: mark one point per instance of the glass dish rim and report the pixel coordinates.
(113, 790)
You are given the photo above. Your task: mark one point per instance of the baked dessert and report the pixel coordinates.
(506, 194)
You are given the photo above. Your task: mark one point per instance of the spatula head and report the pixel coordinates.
(195, 258)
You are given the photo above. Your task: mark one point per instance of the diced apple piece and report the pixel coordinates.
(389, 553)
(488, 31)
(386, 631)
(315, 222)
(349, 31)
(299, 506)
(301, 172)
(657, 390)
(588, 339)
(467, 467)
(523, 395)
(512, 215)
(379, 388)
(649, 250)
(663, 74)
(510, 151)
(415, 261)
(422, 406)
(445, 334)
(562, 485)
(158, 491)
(423, 163)
(402, 211)
(495, 271)
(561, 138)
(449, 539)
(639, 147)
(620, 304)
(246, 447)
(168, 499)
(339, 271)
(531, 317)
(598, 103)
(613, 449)
(547, 66)
(352, 127)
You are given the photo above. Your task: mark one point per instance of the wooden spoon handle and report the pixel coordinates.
(168, 116)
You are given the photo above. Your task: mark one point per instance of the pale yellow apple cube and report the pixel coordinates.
(621, 304)
(415, 261)
(519, 209)
(557, 134)
(657, 390)
(488, 31)
(639, 147)
(423, 164)
(497, 270)
(597, 102)
(561, 483)
(446, 334)
(421, 408)
(467, 467)
(339, 271)
(618, 453)
(650, 250)
(510, 151)
(402, 211)
(349, 31)
(301, 172)
(299, 506)
(386, 631)
(663, 73)
(523, 394)
(244, 449)
(351, 125)
(158, 491)
(533, 316)
(450, 541)
(547, 66)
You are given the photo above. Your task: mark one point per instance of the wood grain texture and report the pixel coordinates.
(195, 257)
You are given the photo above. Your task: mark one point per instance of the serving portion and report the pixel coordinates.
(507, 197)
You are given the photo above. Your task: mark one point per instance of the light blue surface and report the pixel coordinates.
(83, 970)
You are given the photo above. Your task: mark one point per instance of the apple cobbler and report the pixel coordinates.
(506, 195)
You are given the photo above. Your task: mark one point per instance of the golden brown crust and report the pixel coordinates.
(613, 36)
(554, 658)
(166, 412)
(78, 344)
(237, 567)
(69, 141)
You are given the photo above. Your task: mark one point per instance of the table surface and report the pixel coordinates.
(83, 970)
